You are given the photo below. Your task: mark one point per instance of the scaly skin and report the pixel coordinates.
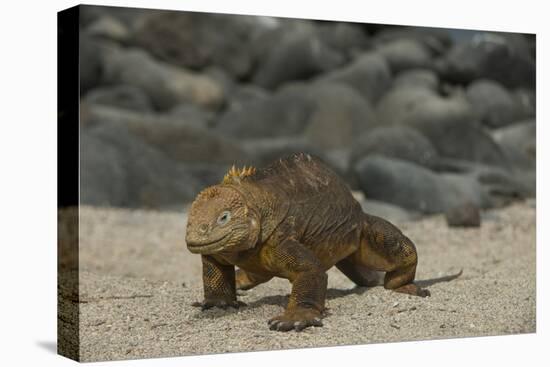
(294, 219)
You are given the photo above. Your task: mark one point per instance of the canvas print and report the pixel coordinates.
(232, 183)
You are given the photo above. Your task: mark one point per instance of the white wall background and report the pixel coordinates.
(28, 190)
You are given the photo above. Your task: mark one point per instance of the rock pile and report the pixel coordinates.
(414, 117)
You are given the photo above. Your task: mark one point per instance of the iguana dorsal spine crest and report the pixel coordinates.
(235, 175)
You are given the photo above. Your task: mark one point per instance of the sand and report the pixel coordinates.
(138, 281)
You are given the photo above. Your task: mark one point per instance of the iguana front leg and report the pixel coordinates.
(294, 261)
(219, 285)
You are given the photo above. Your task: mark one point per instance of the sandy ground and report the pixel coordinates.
(138, 281)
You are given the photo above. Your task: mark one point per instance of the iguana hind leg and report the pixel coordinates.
(401, 280)
(247, 280)
(384, 248)
(358, 273)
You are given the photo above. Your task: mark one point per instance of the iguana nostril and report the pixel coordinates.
(203, 228)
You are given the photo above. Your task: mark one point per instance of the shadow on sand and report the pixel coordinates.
(48, 345)
(282, 300)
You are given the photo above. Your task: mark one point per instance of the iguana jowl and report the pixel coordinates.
(294, 219)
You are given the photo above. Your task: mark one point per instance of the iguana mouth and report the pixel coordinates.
(203, 247)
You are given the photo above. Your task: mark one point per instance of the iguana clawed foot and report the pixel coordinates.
(297, 319)
(413, 290)
(220, 303)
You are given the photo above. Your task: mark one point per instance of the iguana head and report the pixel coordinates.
(221, 221)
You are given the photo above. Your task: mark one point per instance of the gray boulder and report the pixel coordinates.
(390, 212)
(196, 40)
(462, 140)
(465, 188)
(179, 139)
(369, 74)
(281, 30)
(339, 114)
(447, 121)
(407, 104)
(103, 175)
(192, 115)
(400, 141)
(90, 66)
(221, 77)
(417, 188)
(129, 17)
(166, 85)
(407, 185)
(527, 99)
(206, 173)
(109, 27)
(493, 104)
(118, 169)
(496, 56)
(264, 151)
(436, 40)
(328, 114)
(465, 215)
(242, 94)
(500, 185)
(417, 78)
(296, 57)
(404, 54)
(127, 97)
(518, 142)
(347, 38)
(284, 113)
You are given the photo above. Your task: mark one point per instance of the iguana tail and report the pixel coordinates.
(446, 278)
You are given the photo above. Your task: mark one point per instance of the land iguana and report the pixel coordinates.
(294, 219)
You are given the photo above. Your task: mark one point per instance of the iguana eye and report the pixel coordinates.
(224, 218)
